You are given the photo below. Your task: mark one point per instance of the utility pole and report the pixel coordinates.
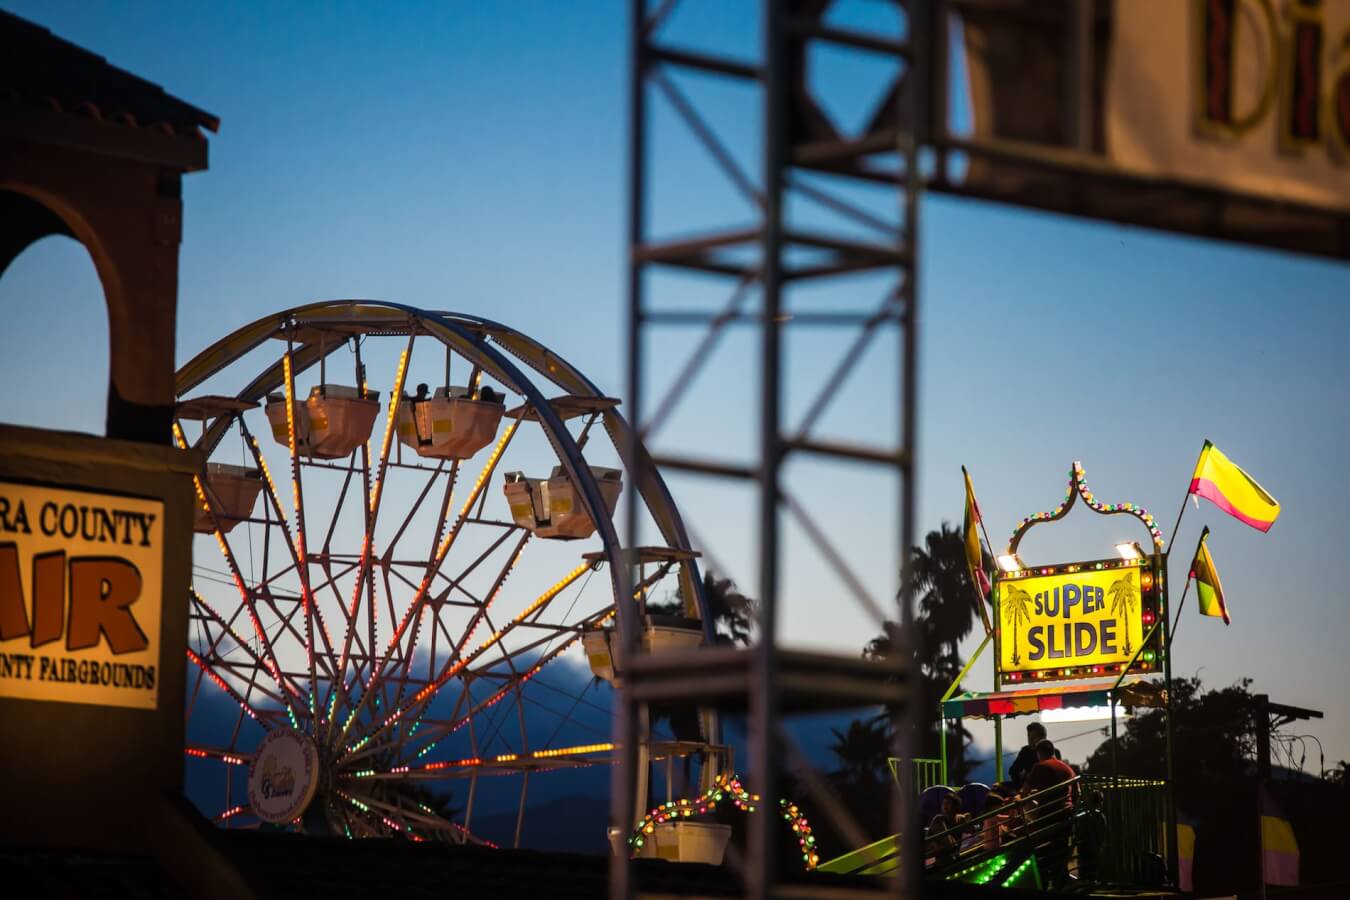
(1269, 716)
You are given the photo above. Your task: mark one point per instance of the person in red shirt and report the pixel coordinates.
(1043, 777)
(1048, 772)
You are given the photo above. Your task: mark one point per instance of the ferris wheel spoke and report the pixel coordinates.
(293, 546)
(457, 664)
(410, 817)
(497, 696)
(417, 505)
(235, 573)
(285, 622)
(246, 673)
(233, 812)
(363, 584)
(539, 682)
(370, 510)
(302, 565)
(566, 718)
(226, 756)
(269, 656)
(221, 683)
(372, 686)
(377, 811)
(225, 629)
(349, 473)
(482, 606)
(456, 583)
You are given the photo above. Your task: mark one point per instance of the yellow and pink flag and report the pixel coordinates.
(1225, 484)
(1279, 847)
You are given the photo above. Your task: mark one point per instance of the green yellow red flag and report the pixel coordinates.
(1225, 484)
(974, 553)
(1207, 586)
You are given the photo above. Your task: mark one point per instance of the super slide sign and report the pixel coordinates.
(80, 596)
(1080, 620)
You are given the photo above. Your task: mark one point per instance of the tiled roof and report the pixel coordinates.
(39, 69)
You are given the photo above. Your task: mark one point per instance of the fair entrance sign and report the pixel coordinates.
(81, 595)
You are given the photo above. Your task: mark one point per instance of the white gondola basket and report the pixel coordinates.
(659, 634)
(332, 422)
(552, 507)
(450, 424)
(233, 491)
(686, 841)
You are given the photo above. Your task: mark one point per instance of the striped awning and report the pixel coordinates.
(974, 705)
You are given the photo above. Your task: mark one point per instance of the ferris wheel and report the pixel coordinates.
(404, 518)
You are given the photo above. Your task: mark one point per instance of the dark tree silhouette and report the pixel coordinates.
(1214, 738)
(862, 750)
(945, 613)
(1214, 768)
(731, 611)
(732, 614)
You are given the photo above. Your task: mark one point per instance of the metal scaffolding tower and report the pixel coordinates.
(806, 160)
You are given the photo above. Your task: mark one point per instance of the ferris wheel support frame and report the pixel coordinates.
(470, 337)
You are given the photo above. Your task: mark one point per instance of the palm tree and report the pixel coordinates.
(945, 614)
(1016, 603)
(732, 612)
(863, 749)
(1124, 597)
(946, 594)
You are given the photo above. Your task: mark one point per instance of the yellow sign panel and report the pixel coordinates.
(1091, 617)
(80, 596)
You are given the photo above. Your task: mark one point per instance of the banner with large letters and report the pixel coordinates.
(1252, 95)
(80, 596)
(1078, 620)
(1228, 119)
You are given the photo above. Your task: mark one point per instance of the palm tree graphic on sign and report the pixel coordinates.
(1016, 609)
(1124, 598)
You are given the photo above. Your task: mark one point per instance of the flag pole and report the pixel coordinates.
(1190, 572)
(989, 632)
(984, 531)
(1177, 526)
(979, 519)
(1180, 607)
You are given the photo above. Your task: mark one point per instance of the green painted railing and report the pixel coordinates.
(927, 772)
(1135, 814)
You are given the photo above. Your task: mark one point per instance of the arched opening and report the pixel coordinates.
(52, 301)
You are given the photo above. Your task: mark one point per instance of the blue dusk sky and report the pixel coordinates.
(472, 156)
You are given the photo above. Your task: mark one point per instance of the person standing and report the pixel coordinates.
(1048, 772)
(1026, 757)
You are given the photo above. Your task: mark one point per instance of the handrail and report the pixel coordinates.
(1043, 822)
(927, 772)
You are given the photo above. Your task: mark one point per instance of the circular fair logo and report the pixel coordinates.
(283, 776)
